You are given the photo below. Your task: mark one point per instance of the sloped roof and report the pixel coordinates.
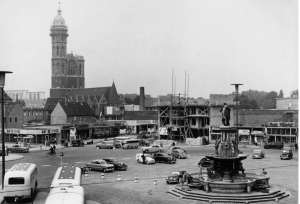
(51, 103)
(220, 99)
(77, 109)
(88, 92)
(5, 97)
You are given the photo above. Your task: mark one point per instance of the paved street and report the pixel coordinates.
(109, 190)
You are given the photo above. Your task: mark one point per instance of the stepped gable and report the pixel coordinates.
(77, 109)
(51, 103)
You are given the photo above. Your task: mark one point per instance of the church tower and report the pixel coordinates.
(67, 69)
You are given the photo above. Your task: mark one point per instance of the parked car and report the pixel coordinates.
(174, 177)
(144, 142)
(152, 148)
(100, 165)
(117, 164)
(77, 142)
(18, 148)
(204, 162)
(178, 153)
(108, 144)
(148, 158)
(273, 145)
(162, 157)
(258, 154)
(287, 153)
(175, 147)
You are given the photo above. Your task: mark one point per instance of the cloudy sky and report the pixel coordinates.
(137, 43)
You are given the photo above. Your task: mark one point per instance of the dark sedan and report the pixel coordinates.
(286, 154)
(174, 177)
(117, 164)
(162, 157)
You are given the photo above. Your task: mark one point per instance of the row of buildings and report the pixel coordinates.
(72, 110)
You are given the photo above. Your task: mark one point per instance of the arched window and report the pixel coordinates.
(80, 69)
(62, 53)
(63, 68)
(53, 50)
(57, 50)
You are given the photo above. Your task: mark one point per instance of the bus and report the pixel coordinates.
(67, 175)
(20, 182)
(66, 195)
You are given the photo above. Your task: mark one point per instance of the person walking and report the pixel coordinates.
(143, 157)
(296, 146)
(6, 150)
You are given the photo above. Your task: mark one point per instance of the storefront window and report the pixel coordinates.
(288, 132)
(278, 139)
(286, 139)
(274, 131)
(293, 139)
(269, 130)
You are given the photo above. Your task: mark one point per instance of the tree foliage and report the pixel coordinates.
(280, 94)
(295, 92)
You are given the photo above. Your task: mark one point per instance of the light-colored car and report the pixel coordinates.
(175, 147)
(148, 158)
(18, 148)
(108, 144)
(152, 149)
(258, 154)
(178, 153)
(101, 165)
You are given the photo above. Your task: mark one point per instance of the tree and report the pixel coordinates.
(136, 100)
(271, 96)
(280, 94)
(269, 104)
(254, 104)
(295, 92)
(128, 100)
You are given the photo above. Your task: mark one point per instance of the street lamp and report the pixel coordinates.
(2, 83)
(237, 120)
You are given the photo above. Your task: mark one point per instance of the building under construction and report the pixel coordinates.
(181, 118)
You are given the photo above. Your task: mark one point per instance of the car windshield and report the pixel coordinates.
(175, 173)
(285, 151)
(114, 160)
(256, 151)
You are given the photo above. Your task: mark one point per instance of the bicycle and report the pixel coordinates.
(49, 154)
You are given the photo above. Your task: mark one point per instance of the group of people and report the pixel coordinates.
(183, 179)
(52, 149)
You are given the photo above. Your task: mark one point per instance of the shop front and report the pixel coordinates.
(287, 135)
(33, 136)
(137, 126)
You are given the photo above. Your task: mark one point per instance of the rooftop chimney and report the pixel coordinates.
(142, 99)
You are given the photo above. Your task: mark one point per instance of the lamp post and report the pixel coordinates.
(2, 83)
(237, 120)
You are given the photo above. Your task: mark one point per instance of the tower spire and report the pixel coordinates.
(59, 11)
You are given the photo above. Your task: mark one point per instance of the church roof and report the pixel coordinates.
(51, 103)
(77, 109)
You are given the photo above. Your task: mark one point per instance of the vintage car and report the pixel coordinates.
(177, 153)
(273, 145)
(174, 177)
(108, 144)
(175, 147)
(148, 158)
(258, 154)
(287, 153)
(77, 142)
(100, 165)
(204, 162)
(18, 148)
(144, 142)
(117, 164)
(152, 149)
(162, 157)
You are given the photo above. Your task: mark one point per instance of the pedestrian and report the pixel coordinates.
(54, 147)
(54, 142)
(296, 146)
(173, 143)
(46, 142)
(143, 157)
(184, 179)
(180, 179)
(6, 150)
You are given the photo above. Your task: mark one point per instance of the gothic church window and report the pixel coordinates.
(72, 67)
(80, 69)
(57, 50)
(63, 68)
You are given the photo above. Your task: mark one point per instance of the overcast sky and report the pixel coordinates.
(137, 44)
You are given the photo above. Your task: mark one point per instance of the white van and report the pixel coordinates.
(66, 195)
(67, 176)
(148, 158)
(20, 181)
(131, 143)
